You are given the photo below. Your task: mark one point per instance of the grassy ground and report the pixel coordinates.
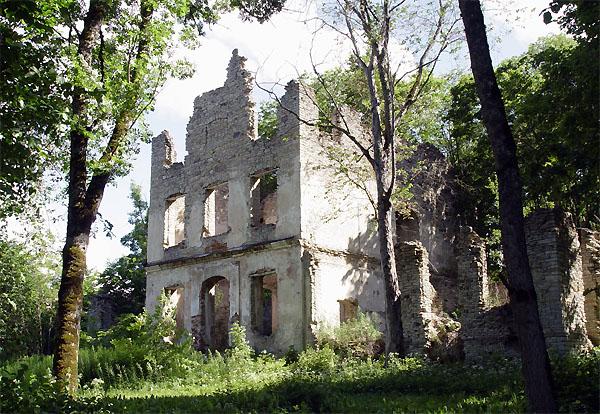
(319, 381)
(409, 385)
(142, 374)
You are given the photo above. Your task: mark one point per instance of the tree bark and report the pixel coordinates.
(84, 198)
(393, 320)
(523, 301)
(70, 294)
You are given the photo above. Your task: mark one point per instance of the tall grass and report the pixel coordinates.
(139, 374)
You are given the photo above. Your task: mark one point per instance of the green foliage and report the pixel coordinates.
(27, 300)
(138, 347)
(346, 87)
(123, 282)
(322, 360)
(319, 381)
(240, 347)
(41, 393)
(357, 337)
(260, 10)
(42, 66)
(577, 17)
(550, 94)
(267, 119)
(576, 392)
(32, 95)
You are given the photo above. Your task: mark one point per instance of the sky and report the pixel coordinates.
(277, 51)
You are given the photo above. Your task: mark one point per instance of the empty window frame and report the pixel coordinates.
(263, 298)
(263, 196)
(216, 210)
(175, 300)
(348, 310)
(174, 220)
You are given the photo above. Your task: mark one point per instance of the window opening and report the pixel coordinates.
(214, 313)
(264, 199)
(175, 301)
(216, 210)
(174, 221)
(348, 310)
(264, 304)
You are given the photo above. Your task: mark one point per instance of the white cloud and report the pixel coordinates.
(515, 25)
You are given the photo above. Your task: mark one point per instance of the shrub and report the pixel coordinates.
(357, 337)
(577, 378)
(23, 392)
(317, 361)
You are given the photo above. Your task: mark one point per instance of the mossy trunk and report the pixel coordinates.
(81, 215)
(86, 195)
(70, 300)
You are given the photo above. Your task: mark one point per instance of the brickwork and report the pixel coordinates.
(417, 295)
(590, 257)
(555, 260)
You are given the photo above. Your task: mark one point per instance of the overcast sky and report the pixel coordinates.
(277, 51)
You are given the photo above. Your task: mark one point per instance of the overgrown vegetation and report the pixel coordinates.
(143, 366)
(357, 337)
(27, 300)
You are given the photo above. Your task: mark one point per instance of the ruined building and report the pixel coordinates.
(253, 228)
(263, 231)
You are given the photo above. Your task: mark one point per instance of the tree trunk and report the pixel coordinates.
(70, 299)
(84, 198)
(385, 233)
(523, 301)
(393, 321)
(79, 222)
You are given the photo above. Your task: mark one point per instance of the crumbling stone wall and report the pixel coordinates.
(485, 330)
(432, 219)
(555, 260)
(254, 208)
(417, 295)
(472, 272)
(590, 258)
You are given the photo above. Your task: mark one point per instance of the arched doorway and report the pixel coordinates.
(214, 314)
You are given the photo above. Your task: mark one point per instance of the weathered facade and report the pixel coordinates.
(262, 230)
(256, 229)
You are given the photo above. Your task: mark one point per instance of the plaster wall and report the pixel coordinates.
(283, 259)
(311, 248)
(335, 277)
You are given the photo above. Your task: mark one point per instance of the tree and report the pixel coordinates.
(523, 301)
(32, 99)
(123, 282)
(424, 30)
(551, 104)
(112, 57)
(27, 300)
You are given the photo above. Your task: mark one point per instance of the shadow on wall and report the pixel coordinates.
(363, 278)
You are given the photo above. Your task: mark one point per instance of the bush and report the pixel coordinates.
(317, 361)
(578, 381)
(27, 301)
(23, 392)
(357, 337)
